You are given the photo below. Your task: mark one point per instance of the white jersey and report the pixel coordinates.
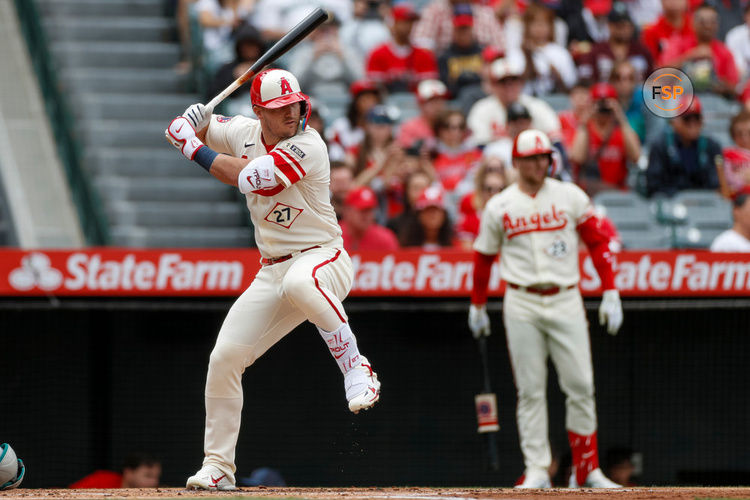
(487, 118)
(296, 214)
(537, 234)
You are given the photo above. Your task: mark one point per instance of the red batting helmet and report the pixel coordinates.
(531, 142)
(275, 88)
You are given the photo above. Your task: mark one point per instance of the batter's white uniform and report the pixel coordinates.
(289, 219)
(539, 243)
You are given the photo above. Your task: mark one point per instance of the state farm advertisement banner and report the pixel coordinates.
(206, 272)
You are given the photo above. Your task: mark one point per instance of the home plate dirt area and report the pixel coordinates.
(413, 493)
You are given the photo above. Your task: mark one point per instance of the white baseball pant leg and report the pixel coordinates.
(537, 327)
(310, 286)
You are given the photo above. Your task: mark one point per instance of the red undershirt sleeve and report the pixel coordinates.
(601, 238)
(482, 267)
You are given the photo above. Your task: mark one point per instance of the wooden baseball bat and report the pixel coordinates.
(486, 406)
(295, 35)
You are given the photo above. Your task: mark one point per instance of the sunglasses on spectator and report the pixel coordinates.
(454, 126)
(622, 78)
(492, 189)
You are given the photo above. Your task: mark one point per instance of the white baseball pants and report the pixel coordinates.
(538, 327)
(310, 286)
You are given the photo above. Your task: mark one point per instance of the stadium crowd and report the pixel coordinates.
(419, 103)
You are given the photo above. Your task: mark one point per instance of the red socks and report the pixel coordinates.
(585, 455)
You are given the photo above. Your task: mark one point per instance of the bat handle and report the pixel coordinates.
(223, 95)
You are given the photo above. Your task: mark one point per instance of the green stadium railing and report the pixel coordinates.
(88, 205)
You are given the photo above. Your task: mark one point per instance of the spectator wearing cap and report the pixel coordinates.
(594, 15)
(489, 180)
(366, 29)
(487, 118)
(472, 93)
(548, 66)
(322, 64)
(736, 164)
(460, 64)
(454, 156)
(738, 43)
(348, 131)
(674, 21)
(604, 143)
(248, 47)
(358, 227)
(682, 157)
(431, 97)
(397, 65)
(704, 58)
(736, 239)
(435, 29)
(622, 45)
(430, 228)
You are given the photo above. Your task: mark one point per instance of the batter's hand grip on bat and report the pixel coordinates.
(295, 35)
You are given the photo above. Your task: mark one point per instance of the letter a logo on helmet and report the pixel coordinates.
(531, 142)
(285, 87)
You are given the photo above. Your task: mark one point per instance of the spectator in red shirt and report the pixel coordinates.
(704, 58)
(454, 156)
(358, 227)
(604, 143)
(430, 228)
(674, 21)
(398, 65)
(489, 180)
(622, 45)
(580, 96)
(736, 168)
(431, 96)
(139, 470)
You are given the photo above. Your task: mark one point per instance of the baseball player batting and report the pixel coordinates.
(536, 222)
(282, 168)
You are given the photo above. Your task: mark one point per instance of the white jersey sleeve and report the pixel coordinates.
(227, 134)
(491, 231)
(304, 155)
(580, 202)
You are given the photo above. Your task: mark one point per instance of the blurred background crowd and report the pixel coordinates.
(419, 104)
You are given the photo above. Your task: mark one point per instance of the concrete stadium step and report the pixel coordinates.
(123, 134)
(141, 29)
(153, 81)
(130, 106)
(177, 214)
(159, 55)
(141, 163)
(205, 189)
(91, 8)
(170, 237)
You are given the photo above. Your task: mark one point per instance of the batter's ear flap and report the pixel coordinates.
(305, 110)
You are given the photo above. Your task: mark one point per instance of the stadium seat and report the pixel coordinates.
(654, 238)
(405, 103)
(703, 209)
(693, 237)
(558, 102)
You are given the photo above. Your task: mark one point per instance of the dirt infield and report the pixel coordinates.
(414, 493)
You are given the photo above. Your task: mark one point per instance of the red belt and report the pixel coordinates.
(540, 291)
(276, 260)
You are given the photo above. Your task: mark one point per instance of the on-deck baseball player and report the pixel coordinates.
(536, 222)
(282, 168)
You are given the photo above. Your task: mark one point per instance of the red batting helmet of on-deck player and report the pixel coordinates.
(275, 88)
(531, 142)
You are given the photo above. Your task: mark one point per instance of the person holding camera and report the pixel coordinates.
(604, 143)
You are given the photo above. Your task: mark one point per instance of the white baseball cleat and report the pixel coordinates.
(362, 387)
(595, 479)
(211, 477)
(535, 478)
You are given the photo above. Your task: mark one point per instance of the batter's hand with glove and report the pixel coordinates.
(199, 116)
(610, 311)
(181, 135)
(479, 321)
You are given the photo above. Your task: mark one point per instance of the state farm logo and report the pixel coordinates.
(35, 271)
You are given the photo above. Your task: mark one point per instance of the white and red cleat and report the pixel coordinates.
(211, 477)
(362, 386)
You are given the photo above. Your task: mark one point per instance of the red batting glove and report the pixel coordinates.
(181, 135)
